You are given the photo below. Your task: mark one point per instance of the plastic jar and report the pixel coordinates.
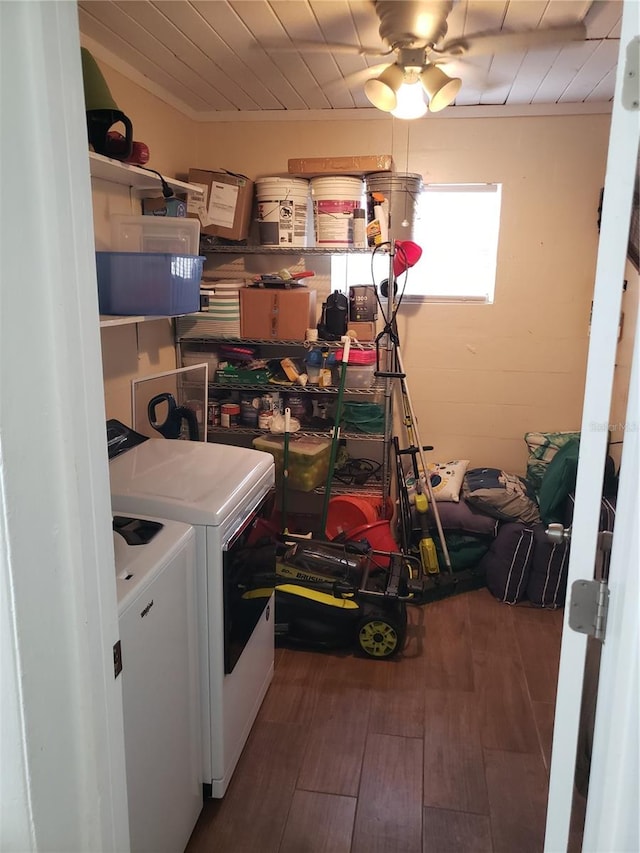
(229, 414)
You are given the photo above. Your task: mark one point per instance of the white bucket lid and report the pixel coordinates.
(337, 181)
(299, 183)
(386, 178)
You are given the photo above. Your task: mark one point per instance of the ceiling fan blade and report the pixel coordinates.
(507, 42)
(356, 78)
(324, 47)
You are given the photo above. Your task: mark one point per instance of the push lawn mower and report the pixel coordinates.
(332, 595)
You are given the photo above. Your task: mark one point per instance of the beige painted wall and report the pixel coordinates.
(480, 376)
(168, 133)
(148, 348)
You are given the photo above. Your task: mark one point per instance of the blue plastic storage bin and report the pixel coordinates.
(148, 283)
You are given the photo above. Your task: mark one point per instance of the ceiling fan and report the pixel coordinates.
(415, 31)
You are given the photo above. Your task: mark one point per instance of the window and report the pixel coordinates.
(457, 227)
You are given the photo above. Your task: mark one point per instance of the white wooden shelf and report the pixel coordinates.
(211, 249)
(118, 320)
(133, 176)
(139, 180)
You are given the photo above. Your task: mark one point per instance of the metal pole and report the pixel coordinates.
(336, 435)
(397, 368)
(388, 395)
(425, 469)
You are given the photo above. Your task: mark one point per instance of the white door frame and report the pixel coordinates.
(62, 752)
(63, 782)
(604, 822)
(612, 821)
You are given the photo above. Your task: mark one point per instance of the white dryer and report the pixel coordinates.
(223, 491)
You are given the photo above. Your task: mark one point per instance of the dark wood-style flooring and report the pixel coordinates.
(445, 748)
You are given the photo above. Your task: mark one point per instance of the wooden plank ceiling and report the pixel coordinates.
(211, 57)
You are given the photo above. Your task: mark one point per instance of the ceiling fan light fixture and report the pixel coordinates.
(410, 99)
(440, 88)
(381, 91)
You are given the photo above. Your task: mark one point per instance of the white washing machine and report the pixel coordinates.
(155, 578)
(222, 491)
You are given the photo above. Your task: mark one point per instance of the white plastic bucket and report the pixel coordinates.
(402, 191)
(334, 200)
(282, 211)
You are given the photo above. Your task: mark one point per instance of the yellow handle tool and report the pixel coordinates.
(428, 553)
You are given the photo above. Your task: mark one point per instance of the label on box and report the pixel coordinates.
(222, 204)
(197, 205)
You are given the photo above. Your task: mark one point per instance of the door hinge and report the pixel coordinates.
(117, 659)
(588, 607)
(631, 81)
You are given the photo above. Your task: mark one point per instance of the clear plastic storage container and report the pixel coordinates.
(361, 368)
(173, 235)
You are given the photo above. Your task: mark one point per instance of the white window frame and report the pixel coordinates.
(351, 269)
(425, 240)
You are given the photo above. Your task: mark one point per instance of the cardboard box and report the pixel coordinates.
(274, 314)
(225, 209)
(361, 165)
(363, 331)
(172, 207)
